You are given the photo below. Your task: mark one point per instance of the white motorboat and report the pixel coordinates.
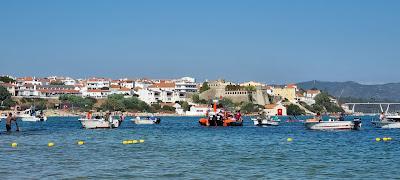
(333, 125)
(268, 121)
(149, 120)
(388, 122)
(30, 116)
(99, 123)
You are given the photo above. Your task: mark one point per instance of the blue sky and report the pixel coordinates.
(270, 41)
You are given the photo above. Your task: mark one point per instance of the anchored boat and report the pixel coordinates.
(266, 121)
(333, 124)
(99, 121)
(30, 115)
(147, 120)
(221, 118)
(388, 122)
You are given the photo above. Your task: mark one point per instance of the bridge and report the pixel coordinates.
(383, 107)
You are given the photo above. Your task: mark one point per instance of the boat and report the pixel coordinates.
(30, 115)
(333, 124)
(388, 122)
(147, 120)
(220, 118)
(99, 121)
(267, 121)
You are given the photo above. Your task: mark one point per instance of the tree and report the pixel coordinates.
(204, 87)
(168, 108)
(250, 107)
(4, 94)
(185, 105)
(226, 103)
(78, 102)
(6, 79)
(294, 110)
(196, 99)
(323, 104)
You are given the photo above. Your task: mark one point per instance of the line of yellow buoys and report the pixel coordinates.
(383, 139)
(80, 142)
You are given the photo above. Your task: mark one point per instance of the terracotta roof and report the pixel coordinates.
(270, 106)
(97, 90)
(291, 85)
(59, 91)
(163, 85)
(313, 91)
(115, 86)
(124, 89)
(25, 79)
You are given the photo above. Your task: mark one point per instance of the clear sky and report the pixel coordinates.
(270, 41)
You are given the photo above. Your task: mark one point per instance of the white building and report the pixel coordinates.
(68, 81)
(96, 93)
(97, 83)
(275, 109)
(199, 110)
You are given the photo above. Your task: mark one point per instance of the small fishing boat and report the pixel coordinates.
(30, 115)
(99, 121)
(147, 120)
(388, 122)
(333, 124)
(267, 121)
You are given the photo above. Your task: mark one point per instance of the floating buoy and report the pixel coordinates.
(81, 142)
(377, 139)
(141, 141)
(135, 141)
(130, 141)
(50, 144)
(14, 144)
(289, 139)
(125, 142)
(387, 139)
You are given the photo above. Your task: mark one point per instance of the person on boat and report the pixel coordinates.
(9, 119)
(341, 117)
(238, 116)
(318, 117)
(382, 116)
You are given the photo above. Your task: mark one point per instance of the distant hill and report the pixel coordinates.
(383, 92)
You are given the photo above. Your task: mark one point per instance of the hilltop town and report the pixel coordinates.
(183, 96)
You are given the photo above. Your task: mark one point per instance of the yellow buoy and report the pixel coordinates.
(130, 141)
(50, 144)
(386, 139)
(135, 141)
(141, 141)
(125, 142)
(389, 138)
(81, 142)
(289, 139)
(14, 144)
(377, 139)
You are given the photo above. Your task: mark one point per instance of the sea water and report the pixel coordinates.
(179, 148)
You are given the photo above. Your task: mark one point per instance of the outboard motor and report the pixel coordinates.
(158, 121)
(357, 123)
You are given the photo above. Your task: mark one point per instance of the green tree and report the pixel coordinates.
(294, 110)
(249, 107)
(227, 103)
(168, 108)
(323, 104)
(6, 79)
(4, 94)
(113, 104)
(204, 87)
(185, 105)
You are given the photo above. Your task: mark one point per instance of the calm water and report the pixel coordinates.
(179, 148)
